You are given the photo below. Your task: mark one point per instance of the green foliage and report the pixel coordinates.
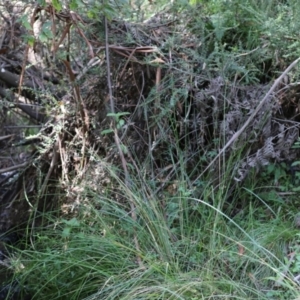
(177, 247)
(108, 8)
(199, 239)
(118, 121)
(57, 5)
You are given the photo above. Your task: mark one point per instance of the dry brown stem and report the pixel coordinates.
(252, 116)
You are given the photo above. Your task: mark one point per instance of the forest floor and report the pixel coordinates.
(150, 154)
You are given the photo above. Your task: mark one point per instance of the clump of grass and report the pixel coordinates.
(182, 244)
(190, 251)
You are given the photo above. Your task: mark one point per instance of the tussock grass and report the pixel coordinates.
(208, 239)
(190, 251)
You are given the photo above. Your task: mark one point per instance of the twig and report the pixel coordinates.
(124, 68)
(13, 168)
(52, 165)
(82, 110)
(93, 62)
(76, 17)
(258, 108)
(4, 137)
(27, 51)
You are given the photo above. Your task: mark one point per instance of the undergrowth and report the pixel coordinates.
(204, 239)
(178, 247)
